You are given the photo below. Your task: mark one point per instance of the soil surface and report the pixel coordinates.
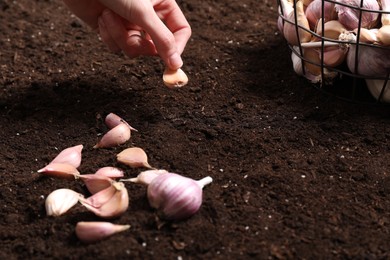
(297, 173)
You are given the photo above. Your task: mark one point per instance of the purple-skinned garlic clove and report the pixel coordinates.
(96, 183)
(112, 120)
(134, 157)
(60, 170)
(89, 232)
(70, 155)
(110, 172)
(118, 135)
(60, 201)
(99, 198)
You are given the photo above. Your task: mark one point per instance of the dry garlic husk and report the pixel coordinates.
(70, 155)
(114, 206)
(174, 78)
(383, 35)
(349, 17)
(134, 157)
(60, 170)
(289, 28)
(60, 201)
(112, 120)
(176, 196)
(313, 12)
(118, 135)
(89, 232)
(96, 183)
(110, 172)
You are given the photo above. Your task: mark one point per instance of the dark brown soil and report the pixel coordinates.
(297, 173)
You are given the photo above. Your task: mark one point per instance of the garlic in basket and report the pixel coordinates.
(176, 196)
(349, 17)
(376, 87)
(290, 28)
(313, 12)
(385, 17)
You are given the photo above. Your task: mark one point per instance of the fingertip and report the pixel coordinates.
(175, 61)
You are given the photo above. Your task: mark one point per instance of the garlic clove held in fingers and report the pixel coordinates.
(134, 157)
(118, 135)
(174, 78)
(89, 232)
(115, 206)
(70, 155)
(60, 170)
(112, 120)
(60, 201)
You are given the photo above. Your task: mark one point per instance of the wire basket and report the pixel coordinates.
(342, 46)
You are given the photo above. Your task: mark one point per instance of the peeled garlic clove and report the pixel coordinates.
(289, 29)
(99, 198)
(134, 157)
(383, 35)
(118, 135)
(112, 120)
(110, 172)
(115, 206)
(146, 177)
(70, 155)
(89, 232)
(176, 196)
(96, 183)
(60, 170)
(174, 78)
(60, 201)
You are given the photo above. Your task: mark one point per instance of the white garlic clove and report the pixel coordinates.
(110, 172)
(289, 29)
(134, 157)
(146, 177)
(115, 206)
(89, 232)
(96, 183)
(60, 170)
(118, 135)
(99, 198)
(60, 201)
(383, 35)
(174, 78)
(112, 120)
(70, 155)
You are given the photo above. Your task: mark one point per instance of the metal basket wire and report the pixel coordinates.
(348, 85)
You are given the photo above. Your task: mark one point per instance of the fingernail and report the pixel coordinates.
(175, 61)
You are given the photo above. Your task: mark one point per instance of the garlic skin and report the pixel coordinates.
(118, 135)
(349, 17)
(70, 155)
(289, 28)
(114, 206)
(60, 201)
(176, 196)
(313, 12)
(134, 157)
(112, 120)
(60, 170)
(174, 78)
(90, 232)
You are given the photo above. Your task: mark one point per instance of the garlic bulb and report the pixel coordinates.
(60, 201)
(118, 135)
(134, 157)
(349, 17)
(70, 155)
(177, 197)
(313, 12)
(174, 78)
(289, 29)
(285, 9)
(89, 232)
(376, 86)
(385, 17)
(60, 170)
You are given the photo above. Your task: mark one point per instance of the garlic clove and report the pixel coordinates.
(332, 30)
(60, 170)
(312, 61)
(115, 206)
(174, 78)
(70, 155)
(205, 181)
(99, 198)
(96, 183)
(289, 28)
(112, 120)
(334, 56)
(60, 201)
(385, 17)
(146, 177)
(313, 12)
(134, 157)
(89, 232)
(376, 87)
(116, 136)
(367, 35)
(383, 35)
(110, 172)
(349, 12)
